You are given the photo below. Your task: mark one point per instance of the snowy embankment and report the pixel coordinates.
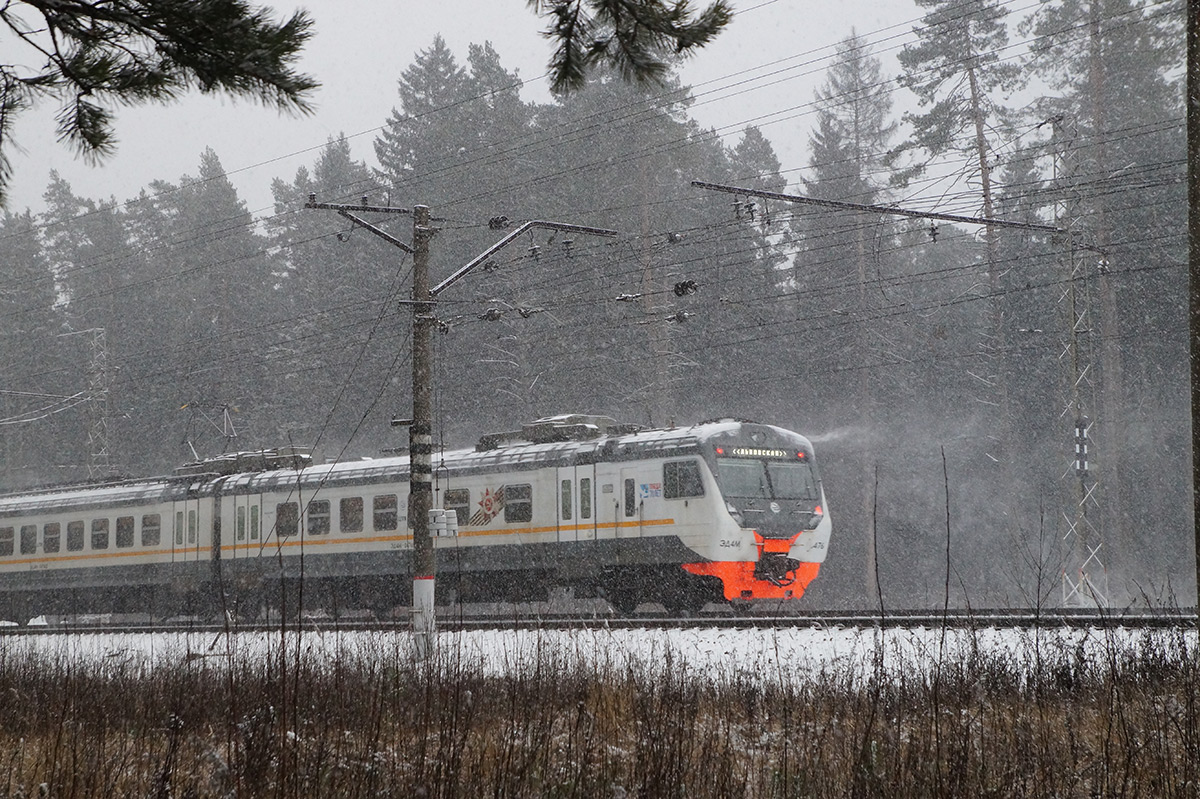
(783, 656)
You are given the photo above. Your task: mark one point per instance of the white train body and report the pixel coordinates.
(681, 515)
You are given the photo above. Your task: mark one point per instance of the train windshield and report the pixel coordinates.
(766, 479)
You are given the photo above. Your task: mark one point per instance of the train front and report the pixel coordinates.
(776, 533)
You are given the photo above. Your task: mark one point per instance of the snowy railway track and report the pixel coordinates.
(517, 619)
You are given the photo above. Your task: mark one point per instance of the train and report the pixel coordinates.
(719, 511)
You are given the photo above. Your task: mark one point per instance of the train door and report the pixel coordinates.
(244, 538)
(630, 505)
(567, 501)
(586, 486)
(185, 530)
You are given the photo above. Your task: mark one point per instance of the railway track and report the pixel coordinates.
(520, 618)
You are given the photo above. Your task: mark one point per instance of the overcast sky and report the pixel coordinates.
(762, 70)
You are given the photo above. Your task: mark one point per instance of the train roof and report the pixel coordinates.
(517, 451)
(560, 440)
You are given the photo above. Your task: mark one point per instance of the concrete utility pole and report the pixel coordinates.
(420, 438)
(420, 487)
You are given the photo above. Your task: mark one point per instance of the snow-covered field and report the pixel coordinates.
(784, 655)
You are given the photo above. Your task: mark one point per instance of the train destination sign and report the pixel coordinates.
(751, 452)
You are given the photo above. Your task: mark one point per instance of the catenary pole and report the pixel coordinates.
(420, 437)
(424, 296)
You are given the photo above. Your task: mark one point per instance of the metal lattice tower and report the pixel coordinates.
(99, 454)
(1085, 577)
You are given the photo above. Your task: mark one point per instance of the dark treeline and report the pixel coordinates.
(920, 357)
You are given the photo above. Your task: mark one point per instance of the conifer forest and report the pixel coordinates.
(940, 368)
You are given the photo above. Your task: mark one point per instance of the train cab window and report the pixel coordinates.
(518, 503)
(51, 533)
(254, 523)
(29, 539)
(682, 479)
(241, 524)
(287, 519)
(6, 541)
(99, 533)
(459, 501)
(630, 499)
(350, 515)
(74, 536)
(124, 531)
(151, 530)
(318, 517)
(585, 497)
(178, 528)
(386, 516)
(565, 500)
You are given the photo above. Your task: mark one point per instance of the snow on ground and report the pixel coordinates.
(767, 654)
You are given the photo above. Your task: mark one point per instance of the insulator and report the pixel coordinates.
(491, 315)
(535, 251)
(674, 238)
(686, 287)
(679, 316)
(627, 297)
(498, 222)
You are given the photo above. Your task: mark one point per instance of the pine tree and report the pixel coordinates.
(639, 38)
(41, 398)
(844, 250)
(95, 56)
(338, 328)
(956, 68)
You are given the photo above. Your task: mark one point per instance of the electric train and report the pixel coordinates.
(722, 510)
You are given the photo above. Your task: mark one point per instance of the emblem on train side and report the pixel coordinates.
(490, 505)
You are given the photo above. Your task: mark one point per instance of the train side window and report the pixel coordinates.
(241, 524)
(318, 517)
(459, 501)
(6, 541)
(28, 539)
(350, 515)
(254, 526)
(99, 533)
(124, 531)
(585, 497)
(178, 528)
(682, 479)
(630, 499)
(386, 517)
(51, 534)
(193, 526)
(518, 503)
(287, 519)
(74, 536)
(151, 530)
(565, 499)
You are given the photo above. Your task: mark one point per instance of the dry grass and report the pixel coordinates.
(377, 724)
